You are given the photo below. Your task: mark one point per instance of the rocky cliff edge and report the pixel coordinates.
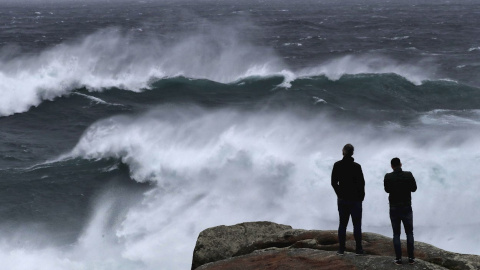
(267, 245)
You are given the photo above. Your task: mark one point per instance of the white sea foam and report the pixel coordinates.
(213, 167)
(318, 100)
(209, 164)
(97, 100)
(293, 44)
(374, 64)
(399, 38)
(111, 58)
(451, 118)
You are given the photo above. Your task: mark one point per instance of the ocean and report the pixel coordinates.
(128, 127)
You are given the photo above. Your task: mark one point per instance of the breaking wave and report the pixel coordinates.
(207, 164)
(111, 58)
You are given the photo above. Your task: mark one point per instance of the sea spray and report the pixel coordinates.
(273, 166)
(200, 121)
(113, 58)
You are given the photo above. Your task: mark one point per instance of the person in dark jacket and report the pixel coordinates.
(349, 185)
(400, 184)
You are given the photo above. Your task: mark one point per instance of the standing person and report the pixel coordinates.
(400, 184)
(349, 185)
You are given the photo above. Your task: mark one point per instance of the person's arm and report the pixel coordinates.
(387, 184)
(362, 183)
(334, 180)
(413, 184)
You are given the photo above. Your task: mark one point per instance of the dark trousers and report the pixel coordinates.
(345, 210)
(398, 215)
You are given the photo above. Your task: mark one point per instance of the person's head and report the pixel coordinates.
(347, 150)
(395, 162)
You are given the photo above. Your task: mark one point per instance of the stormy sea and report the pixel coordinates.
(128, 127)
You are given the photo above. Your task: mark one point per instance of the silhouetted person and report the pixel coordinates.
(400, 184)
(349, 185)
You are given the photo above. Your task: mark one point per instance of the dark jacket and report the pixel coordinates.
(347, 180)
(400, 184)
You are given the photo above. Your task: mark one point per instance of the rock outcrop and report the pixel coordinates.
(267, 245)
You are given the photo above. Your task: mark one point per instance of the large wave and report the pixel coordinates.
(113, 58)
(224, 166)
(213, 167)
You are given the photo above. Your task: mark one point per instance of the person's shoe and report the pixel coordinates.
(340, 253)
(359, 252)
(411, 260)
(397, 261)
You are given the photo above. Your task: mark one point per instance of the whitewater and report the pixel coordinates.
(124, 139)
(111, 58)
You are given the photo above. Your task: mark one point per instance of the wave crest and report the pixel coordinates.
(111, 58)
(207, 164)
(369, 64)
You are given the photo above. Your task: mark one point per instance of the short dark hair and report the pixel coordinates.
(395, 162)
(348, 150)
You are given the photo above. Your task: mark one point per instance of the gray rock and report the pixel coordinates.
(223, 242)
(266, 245)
